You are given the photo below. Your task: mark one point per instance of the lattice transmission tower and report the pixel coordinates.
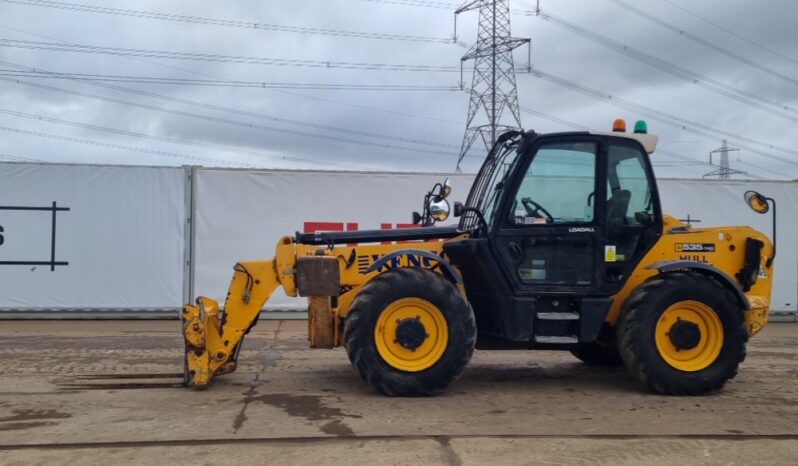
(493, 88)
(724, 170)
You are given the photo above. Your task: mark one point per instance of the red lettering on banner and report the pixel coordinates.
(313, 227)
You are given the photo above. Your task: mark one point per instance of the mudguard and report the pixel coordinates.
(706, 269)
(448, 270)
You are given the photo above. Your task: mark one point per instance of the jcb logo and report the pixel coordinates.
(695, 247)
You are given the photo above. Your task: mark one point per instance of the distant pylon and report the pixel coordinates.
(724, 171)
(493, 85)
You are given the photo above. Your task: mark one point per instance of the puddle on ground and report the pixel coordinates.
(308, 407)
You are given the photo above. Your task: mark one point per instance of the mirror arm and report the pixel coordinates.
(426, 218)
(770, 260)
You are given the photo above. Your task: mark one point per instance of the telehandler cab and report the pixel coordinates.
(561, 244)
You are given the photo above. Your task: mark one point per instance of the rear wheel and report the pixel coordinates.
(597, 354)
(410, 332)
(682, 334)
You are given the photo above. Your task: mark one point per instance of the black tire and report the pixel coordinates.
(636, 333)
(596, 354)
(363, 315)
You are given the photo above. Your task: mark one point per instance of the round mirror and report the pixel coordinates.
(446, 189)
(439, 210)
(757, 202)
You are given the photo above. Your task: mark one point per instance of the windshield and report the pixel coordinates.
(489, 184)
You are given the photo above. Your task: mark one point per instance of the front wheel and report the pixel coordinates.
(410, 332)
(682, 333)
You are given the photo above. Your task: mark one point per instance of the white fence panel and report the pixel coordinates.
(120, 244)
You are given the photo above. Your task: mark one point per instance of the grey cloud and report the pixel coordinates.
(555, 50)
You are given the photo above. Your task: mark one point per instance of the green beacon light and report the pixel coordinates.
(641, 127)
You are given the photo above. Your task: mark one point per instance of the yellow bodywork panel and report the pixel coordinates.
(728, 256)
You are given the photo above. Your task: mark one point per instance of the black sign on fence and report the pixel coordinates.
(52, 262)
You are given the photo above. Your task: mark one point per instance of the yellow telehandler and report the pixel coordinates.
(561, 244)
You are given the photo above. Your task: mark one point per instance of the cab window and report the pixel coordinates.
(558, 186)
(628, 190)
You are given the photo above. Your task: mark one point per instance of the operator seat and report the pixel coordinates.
(617, 207)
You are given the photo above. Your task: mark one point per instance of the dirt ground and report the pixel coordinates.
(108, 392)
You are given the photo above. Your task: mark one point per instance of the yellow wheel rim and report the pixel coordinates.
(424, 355)
(706, 351)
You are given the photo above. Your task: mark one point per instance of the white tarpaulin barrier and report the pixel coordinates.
(97, 237)
(125, 241)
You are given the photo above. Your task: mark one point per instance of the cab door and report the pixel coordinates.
(550, 232)
(633, 216)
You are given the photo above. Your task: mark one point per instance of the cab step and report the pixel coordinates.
(556, 340)
(558, 315)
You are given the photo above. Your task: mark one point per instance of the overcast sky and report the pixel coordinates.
(394, 130)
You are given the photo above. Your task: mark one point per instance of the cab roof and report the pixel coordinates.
(648, 141)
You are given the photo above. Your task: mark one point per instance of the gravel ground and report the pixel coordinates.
(75, 392)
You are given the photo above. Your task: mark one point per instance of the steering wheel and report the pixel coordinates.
(534, 209)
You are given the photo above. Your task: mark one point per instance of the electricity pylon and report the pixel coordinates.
(493, 87)
(724, 171)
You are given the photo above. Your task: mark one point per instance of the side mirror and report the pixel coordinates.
(757, 202)
(439, 210)
(761, 205)
(458, 209)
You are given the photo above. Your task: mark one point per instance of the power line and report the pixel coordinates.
(423, 4)
(704, 42)
(713, 85)
(373, 109)
(116, 146)
(231, 23)
(296, 94)
(225, 83)
(731, 32)
(571, 124)
(789, 177)
(657, 114)
(210, 107)
(672, 120)
(20, 159)
(172, 140)
(237, 112)
(207, 57)
(554, 118)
